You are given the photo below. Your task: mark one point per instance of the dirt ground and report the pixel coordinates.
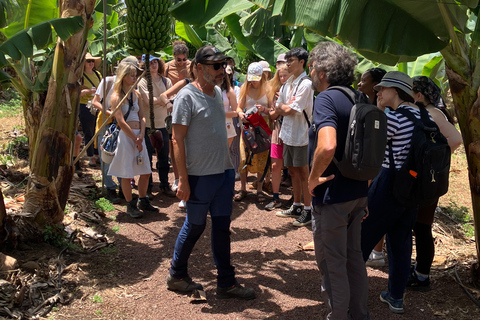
(127, 280)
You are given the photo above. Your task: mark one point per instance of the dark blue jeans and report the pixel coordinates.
(388, 216)
(162, 158)
(212, 193)
(88, 121)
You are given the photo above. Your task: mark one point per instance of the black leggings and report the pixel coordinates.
(424, 239)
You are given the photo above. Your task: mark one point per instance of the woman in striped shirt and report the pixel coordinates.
(386, 214)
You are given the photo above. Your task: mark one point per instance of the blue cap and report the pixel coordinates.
(151, 58)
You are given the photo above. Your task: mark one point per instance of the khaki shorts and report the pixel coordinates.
(295, 156)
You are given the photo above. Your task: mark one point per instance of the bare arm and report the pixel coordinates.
(323, 156)
(119, 116)
(240, 108)
(232, 98)
(446, 128)
(178, 140)
(96, 103)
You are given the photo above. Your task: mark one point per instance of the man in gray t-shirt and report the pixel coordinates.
(206, 144)
(206, 175)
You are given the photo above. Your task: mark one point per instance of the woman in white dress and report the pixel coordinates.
(230, 105)
(131, 157)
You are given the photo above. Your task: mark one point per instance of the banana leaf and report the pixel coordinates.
(204, 12)
(30, 13)
(188, 33)
(39, 35)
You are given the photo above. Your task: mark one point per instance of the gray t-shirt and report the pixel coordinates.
(206, 143)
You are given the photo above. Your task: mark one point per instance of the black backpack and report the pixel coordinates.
(366, 138)
(423, 177)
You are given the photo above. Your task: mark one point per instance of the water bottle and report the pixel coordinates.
(250, 139)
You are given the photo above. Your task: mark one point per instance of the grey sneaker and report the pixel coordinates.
(236, 291)
(132, 209)
(275, 204)
(144, 204)
(293, 211)
(376, 260)
(395, 305)
(304, 219)
(184, 285)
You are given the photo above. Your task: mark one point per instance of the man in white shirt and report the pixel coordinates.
(295, 104)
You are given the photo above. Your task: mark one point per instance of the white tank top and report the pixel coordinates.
(133, 115)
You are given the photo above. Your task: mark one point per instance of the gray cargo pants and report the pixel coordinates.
(336, 233)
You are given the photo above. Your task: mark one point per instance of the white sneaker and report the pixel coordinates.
(182, 204)
(376, 260)
(174, 186)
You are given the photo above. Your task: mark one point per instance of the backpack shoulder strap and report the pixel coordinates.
(408, 114)
(298, 85)
(88, 79)
(98, 75)
(346, 91)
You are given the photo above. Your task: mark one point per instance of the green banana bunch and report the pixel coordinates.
(148, 25)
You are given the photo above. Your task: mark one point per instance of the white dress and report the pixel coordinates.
(124, 163)
(228, 121)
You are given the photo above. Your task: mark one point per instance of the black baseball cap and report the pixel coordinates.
(209, 53)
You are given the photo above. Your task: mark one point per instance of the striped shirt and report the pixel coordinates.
(399, 132)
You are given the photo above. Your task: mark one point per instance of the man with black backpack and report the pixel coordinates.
(295, 104)
(338, 201)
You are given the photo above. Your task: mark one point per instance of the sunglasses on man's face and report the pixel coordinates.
(217, 65)
(180, 60)
(90, 61)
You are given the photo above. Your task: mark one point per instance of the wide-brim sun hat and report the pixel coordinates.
(97, 60)
(396, 79)
(255, 71)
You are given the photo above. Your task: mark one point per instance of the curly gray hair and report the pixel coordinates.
(335, 61)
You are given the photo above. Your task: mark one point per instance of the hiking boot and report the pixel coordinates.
(112, 196)
(415, 284)
(184, 285)
(293, 211)
(376, 260)
(304, 219)
(145, 205)
(132, 209)
(275, 204)
(236, 291)
(168, 192)
(395, 305)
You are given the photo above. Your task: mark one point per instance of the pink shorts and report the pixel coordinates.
(276, 151)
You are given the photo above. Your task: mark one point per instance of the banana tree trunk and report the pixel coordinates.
(51, 171)
(464, 79)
